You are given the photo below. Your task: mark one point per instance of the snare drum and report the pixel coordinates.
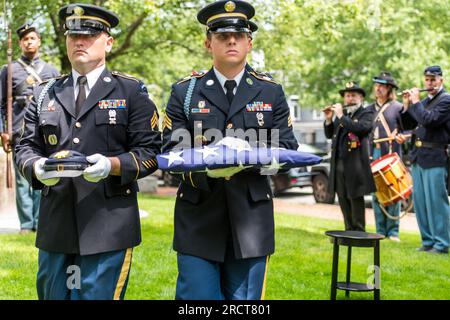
(392, 179)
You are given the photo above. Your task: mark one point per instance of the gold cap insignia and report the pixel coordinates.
(62, 154)
(79, 11)
(230, 6)
(350, 84)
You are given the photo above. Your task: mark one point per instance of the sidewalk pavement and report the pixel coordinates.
(9, 220)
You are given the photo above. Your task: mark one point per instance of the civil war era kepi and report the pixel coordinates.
(81, 18)
(433, 71)
(228, 16)
(24, 29)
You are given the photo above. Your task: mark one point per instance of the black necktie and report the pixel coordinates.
(81, 94)
(230, 85)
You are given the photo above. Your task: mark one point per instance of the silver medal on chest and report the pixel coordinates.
(260, 118)
(112, 117)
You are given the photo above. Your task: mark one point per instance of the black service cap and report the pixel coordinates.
(81, 18)
(228, 16)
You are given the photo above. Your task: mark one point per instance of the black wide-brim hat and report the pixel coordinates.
(81, 18)
(228, 16)
(352, 86)
(65, 163)
(385, 78)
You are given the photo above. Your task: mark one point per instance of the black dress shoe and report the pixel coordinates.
(424, 248)
(434, 250)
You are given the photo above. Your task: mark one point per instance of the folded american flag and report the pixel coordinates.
(221, 156)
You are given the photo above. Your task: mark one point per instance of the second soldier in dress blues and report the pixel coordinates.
(28, 71)
(89, 224)
(224, 224)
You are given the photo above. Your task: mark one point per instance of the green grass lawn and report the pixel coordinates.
(300, 268)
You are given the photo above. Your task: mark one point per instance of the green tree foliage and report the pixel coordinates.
(311, 46)
(318, 45)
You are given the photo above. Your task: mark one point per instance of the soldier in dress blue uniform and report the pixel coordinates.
(387, 124)
(224, 224)
(89, 223)
(350, 176)
(430, 119)
(27, 72)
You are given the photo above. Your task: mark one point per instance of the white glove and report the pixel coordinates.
(41, 175)
(99, 170)
(224, 172)
(234, 143)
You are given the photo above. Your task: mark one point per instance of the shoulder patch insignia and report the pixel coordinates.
(262, 76)
(143, 87)
(124, 75)
(194, 74)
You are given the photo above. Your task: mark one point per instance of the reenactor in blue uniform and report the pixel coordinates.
(224, 223)
(350, 175)
(430, 119)
(27, 72)
(92, 221)
(387, 124)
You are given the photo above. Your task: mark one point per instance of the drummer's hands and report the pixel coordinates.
(400, 138)
(338, 110)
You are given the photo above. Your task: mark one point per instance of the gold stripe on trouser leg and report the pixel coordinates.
(123, 274)
(263, 293)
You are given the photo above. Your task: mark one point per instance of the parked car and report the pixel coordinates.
(295, 177)
(320, 174)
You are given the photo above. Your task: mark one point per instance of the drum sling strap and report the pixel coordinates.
(385, 124)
